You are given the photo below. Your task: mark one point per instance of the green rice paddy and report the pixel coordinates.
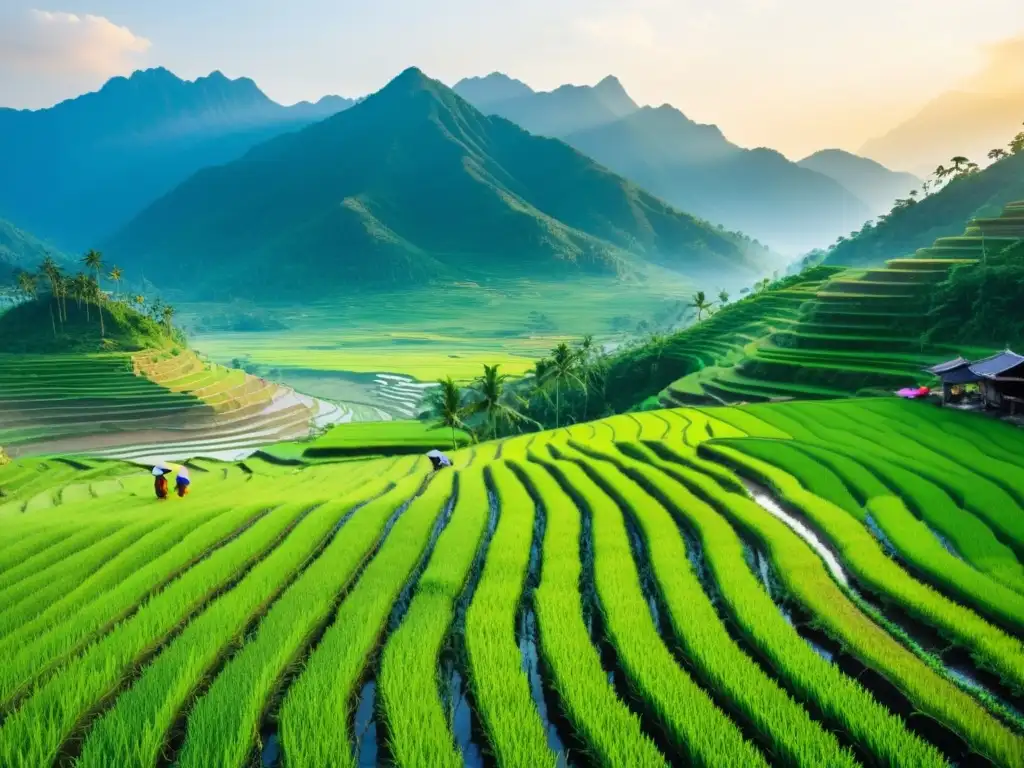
(837, 335)
(448, 330)
(832, 583)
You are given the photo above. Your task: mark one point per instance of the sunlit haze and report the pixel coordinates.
(797, 75)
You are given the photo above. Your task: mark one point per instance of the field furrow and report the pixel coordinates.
(315, 711)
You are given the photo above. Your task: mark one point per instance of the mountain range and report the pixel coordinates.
(870, 181)
(954, 123)
(84, 167)
(411, 185)
(791, 206)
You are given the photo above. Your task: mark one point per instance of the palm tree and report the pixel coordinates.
(492, 401)
(27, 284)
(50, 269)
(167, 314)
(115, 276)
(447, 405)
(942, 172)
(94, 260)
(63, 291)
(80, 288)
(997, 154)
(139, 301)
(701, 304)
(563, 368)
(959, 162)
(723, 297)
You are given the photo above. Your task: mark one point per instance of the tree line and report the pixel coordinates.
(85, 288)
(959, 167)
(574, 382)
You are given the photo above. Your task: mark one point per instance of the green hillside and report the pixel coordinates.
(37, 327)
(867, 329)
(942, 214)
(409, 186)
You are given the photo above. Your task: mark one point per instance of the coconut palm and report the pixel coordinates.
(563, 369)
(80, 288)
(701, 304)
(51, 271)
(446, 403)
(63, 290)
(115, 277)
(28, 285)
(997, 154)
(959, 164)
(495, 403)
(723, 297)
(167, 314)
(93, 260)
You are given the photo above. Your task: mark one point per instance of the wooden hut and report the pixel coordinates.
(1000, 379)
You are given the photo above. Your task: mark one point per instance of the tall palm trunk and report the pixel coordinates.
(454, 444)
(558, 403)
(99, 302)
(52, 321)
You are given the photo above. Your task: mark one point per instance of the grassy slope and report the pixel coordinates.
(383, 438)
(940, 215)
(27, 329)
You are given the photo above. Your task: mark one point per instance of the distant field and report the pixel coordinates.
(445, 330)
(807, 585)
(387, 437)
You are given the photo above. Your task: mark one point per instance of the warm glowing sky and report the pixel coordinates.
(797, 75)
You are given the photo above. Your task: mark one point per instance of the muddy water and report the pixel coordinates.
(766, 501)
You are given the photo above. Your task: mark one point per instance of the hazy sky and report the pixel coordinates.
(797, 75)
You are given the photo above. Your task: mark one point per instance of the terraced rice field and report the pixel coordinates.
(856, 331)
(128, 406)
(839, 333)
(811, 584)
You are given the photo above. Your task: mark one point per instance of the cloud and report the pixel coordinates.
(1003, 72)
(54, 42)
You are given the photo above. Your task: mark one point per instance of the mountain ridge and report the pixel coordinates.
(86, 165)
(954, 123)
(434, 189)
(869, 180)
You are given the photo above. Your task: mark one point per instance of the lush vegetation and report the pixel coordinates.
(514, 204)
(686, 586)
(384, 437)
(47, 295)
(954, 195)
(982, 301)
